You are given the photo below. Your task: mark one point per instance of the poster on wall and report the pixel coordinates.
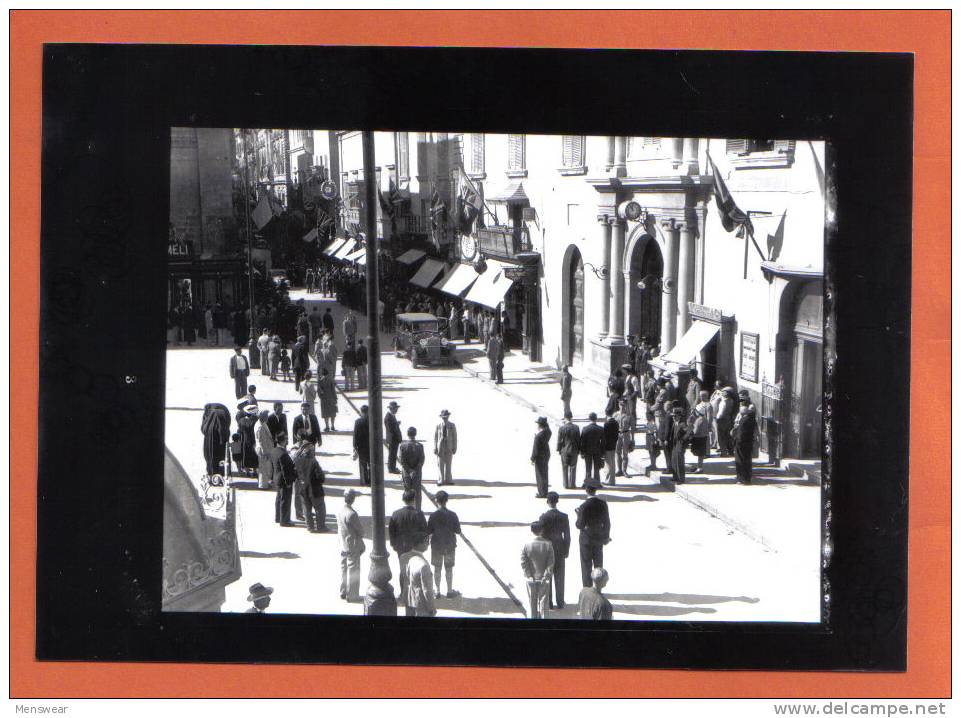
(749, 344)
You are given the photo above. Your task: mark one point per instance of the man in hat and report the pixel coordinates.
(632, 390)
(567, 382)
(351, 535)
(443, 527)
(592, 449)
(611, 433)
(328, 322)
(406, 527)
(569, 446)
(360, 362)
(419, 592)
(316, 324)
(362, 445)
(310, 489)
(537, 562)
(744, 434)
(262, 341)
(678, 440)
(412, 463)
(392, 436)
(592, 605)
(350, 327)
(239, 371)
(445, 446)
(260, 596)
(541, 456)
(625, 437)
(285, 475)
(594, 522)
(557, 530)
(300, 360)
(727, 410)
(306, 426)
(495, 357)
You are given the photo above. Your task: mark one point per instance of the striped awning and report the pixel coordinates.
(331, 249)
(491, 287)
(457, 280)
(411, 256)
(512, 194)
(356, 255)
(427, 273)
(347, 248)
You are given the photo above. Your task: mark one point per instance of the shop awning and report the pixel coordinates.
(491, 286)
(356, 255)
(691, 344)
(427, 273)
(512, 194)
(331, 249)
(346, 249)
(457, 280)
(411, 256)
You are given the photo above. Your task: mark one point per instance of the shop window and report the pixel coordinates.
(516, 156)
(476, 170)
(403, 156)
(572, 155)
(745, 153)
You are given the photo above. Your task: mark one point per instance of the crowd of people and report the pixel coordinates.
(677, 417)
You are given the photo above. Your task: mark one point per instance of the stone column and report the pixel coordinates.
(620, 157)
(677, 151)
(616, 265)
(690, 155)
(685, 275)
(669, 286)
(610, 153)
(605, 223)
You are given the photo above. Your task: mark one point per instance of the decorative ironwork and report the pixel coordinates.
(503, 240)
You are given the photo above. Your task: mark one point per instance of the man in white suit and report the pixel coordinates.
(445, 446)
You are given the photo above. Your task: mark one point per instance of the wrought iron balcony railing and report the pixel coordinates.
(503, 240)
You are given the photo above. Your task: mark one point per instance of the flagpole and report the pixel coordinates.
(252, 351)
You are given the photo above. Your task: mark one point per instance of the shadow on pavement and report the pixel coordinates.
(648, 610)
(493, 484)
(618, 499)
(686, 598)
(478, 606)
(495, 524)
(278, 554)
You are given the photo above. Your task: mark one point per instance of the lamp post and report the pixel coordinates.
(252, 350)
(380, 599)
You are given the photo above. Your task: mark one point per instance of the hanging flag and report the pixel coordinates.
(324, 222)
(385, 206)
(438, 210)
(262, 213)
(468, 207)
(731, 214)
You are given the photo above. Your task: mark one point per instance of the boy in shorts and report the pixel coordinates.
(443, 527)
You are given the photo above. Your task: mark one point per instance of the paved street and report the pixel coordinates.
(668, 560)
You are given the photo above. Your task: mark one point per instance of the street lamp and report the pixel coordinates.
(379, 600)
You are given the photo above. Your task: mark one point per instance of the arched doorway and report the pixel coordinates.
(800, 349)
(646, 269)
(574, 308)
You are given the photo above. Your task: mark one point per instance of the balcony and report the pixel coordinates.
(413, 224)
(504, 241)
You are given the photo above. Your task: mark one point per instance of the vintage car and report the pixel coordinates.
(421, 337)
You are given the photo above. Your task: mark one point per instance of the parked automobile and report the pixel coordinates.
(421, 338)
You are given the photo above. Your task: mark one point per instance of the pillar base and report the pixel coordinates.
(606, 356)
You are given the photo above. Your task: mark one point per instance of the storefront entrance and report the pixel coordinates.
(575, 310)
(800, 365)
(646, 273)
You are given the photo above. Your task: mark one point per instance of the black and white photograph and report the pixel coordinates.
(597, 392)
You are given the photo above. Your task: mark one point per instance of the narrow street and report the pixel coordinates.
(668, 560)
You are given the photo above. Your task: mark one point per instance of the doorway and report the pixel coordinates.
(646, 272)
(575, 310)
(800, 365)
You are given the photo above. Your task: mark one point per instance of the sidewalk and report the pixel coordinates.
(780, 510)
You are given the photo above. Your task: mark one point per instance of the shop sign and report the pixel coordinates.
(749, 345)
(176, 249)
(517, 274)
(699, 311)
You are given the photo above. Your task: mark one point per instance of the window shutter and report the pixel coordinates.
(477, 154)
(403, 155)
(738, 147)
(567, 151)
(577, 150)
(515, 159)
(784, 146)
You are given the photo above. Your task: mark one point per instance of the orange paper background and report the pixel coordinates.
(924, 33)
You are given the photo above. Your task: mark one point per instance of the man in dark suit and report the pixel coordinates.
(328, 322)
(593, 519)
(664, 432)
(612, 431)
(310, 488)
(678, 440)
(541, 456)
(406, 528)
(362, 445)
(285, 474)
(239, 371)
(592, 449)
(299, 360)
(277, 422)
(412, 463)
(568, 446)
(743, 433)
(557, 530)
(392, 436)
(306, 426)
